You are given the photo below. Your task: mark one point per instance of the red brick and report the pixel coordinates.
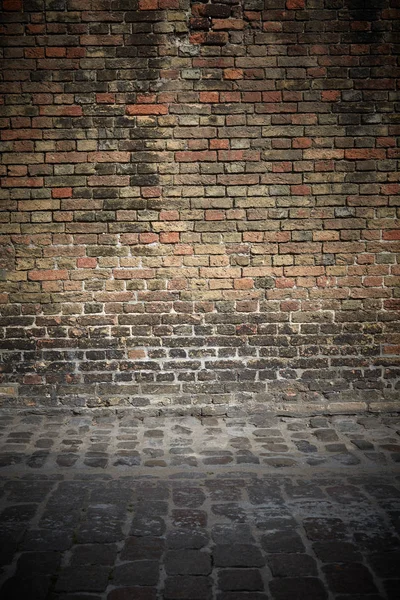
(364, 154)
(56, 52)
(105, 98)
(169, 215)
(147, 109)
(300, 190)
(172, 4)
(391, 234)
(230, 97)
(214, 215)
(148, 4)
(86, 263)
(151, 192)
(330, 95)
(61, 192)
(12, 5)
(230, 24)
(32, 379)
(295, 4)
(219, 144)
(233, 74)
(169, 237)
(48, 275)
(148, 238)
(209, 97)
(272, 96)
(22, 182)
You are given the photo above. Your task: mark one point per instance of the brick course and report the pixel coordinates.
(199, 204)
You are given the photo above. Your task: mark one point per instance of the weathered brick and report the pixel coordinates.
(219, 181)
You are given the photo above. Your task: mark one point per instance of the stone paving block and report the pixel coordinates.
(35, 586)
(383, 491)
(240, 579)
(188, 587)
(76, 597)
(230, 510)
(263, 491)
(9, 545)
(349, 578)
(94, 554)
(298, 588)
(304, 489)
(186, 538)
(138, 572)
(345, 458)
(190, 497)
(67, 460)
(345, 493)
(148, 526)
(11, 458)
(336, 552)
(229, 490)
(103, 524)
(17, 515)
(278, 542)
(132, 593)
(189, 518)
(243, 596)
(362, 444)
(36, 491)
(392, 588)
(59, 518)
(142, 548)
(30, 563)
(362, 597)
(232, 533)
(306, 447)
(326, 435)
(324, 528)
(265, 522)
(83, 579)
(187, 562)
(385, 564)
(238, 555)
(382, 540)
(292, 565)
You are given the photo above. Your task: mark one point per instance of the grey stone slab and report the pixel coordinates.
(238, 555)
(349, 578)
(188, 587)
(187, 562)
(298, 588)
(83, 579)
(240, 579)
(292, 565)
(136, 573)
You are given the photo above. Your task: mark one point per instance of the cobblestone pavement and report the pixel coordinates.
(105, 506)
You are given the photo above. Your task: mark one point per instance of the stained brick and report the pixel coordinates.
(219, 181)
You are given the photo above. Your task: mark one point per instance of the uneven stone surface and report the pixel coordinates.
(321, 528)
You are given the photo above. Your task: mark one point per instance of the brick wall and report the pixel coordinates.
(199, 204)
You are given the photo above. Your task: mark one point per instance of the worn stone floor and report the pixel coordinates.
(105, 506)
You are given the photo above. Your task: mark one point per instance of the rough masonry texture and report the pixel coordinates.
(199, 204)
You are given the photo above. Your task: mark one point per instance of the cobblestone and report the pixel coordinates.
(321, 530)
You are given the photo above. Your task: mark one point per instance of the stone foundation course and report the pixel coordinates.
(199, 204)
